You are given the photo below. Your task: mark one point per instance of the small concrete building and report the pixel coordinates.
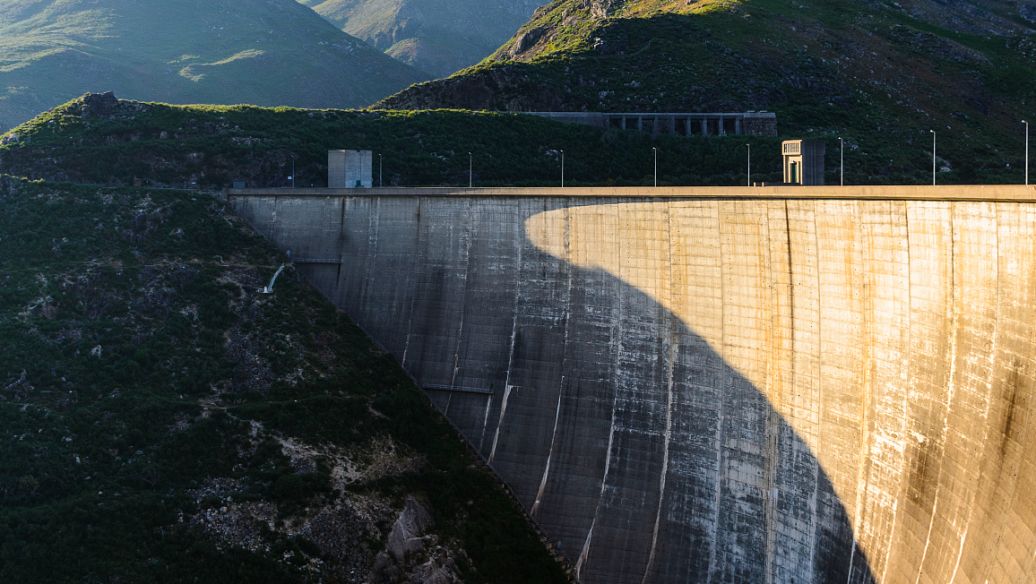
(350, 169)
(804, 162)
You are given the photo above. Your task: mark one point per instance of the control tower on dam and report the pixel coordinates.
(715, 385)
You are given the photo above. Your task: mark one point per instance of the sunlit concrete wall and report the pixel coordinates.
(689, 388)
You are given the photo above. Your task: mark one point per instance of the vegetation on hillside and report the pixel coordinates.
(164, 422)
(268, 52)
(880, 74)
(210, 146)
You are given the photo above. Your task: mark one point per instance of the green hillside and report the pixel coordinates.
(164, 422)
(96, 139)
(437, 36)
(879, 73)
(269, 52)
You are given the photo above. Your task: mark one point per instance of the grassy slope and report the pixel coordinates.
(214, 145)
(438, 36)
(210, 51)
(881, 76)
(147, 394)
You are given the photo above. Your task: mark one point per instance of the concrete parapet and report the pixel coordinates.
(690, 385)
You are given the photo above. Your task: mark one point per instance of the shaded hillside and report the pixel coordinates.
(164, 422)
(437, 36)
(269, 52)
(882, 74)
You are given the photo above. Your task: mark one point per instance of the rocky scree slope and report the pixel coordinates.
(267, 52)
(879, 73)
(163, 422)
(437, 36)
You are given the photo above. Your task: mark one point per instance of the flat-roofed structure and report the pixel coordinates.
(804, 162)
(350, 169)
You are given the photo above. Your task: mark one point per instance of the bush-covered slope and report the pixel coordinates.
(880, 73)
(268, 52)
(163, 422)
(99, 140)
(437, 36)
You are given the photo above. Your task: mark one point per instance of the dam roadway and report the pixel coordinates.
(719, 385)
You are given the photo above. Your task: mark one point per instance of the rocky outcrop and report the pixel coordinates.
(412, 554)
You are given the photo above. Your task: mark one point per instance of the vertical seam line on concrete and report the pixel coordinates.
(770, 393)
(616, 342)
(900, 490)
(950, 383)
(817, 470)
(864, 243)
(413, 294)
(726, 373)
(341, 245)
(520, 243)
(994, 344)
(1014, 484)
(564, 357)
(668, 318)
(485, 423)
(1015, 490)
(469, 235)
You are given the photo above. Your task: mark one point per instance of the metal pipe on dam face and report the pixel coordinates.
(702, 385)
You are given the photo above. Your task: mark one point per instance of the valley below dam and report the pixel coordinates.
(715, 385)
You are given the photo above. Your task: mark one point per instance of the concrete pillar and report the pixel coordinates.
(705, 126)
(722, 126)
(737, 126)
(687, 126)
(623, 122)
(672, 125)
(640, 123)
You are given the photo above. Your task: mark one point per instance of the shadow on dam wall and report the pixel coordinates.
(714, 391)
(642, 454)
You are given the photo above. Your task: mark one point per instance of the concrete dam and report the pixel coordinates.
(719, 385)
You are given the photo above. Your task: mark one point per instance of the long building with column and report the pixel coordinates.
(677, 124)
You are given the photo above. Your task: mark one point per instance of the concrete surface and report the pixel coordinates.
(739, 385)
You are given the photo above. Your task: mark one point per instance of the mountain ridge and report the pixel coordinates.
(437, 36)
(269, 52)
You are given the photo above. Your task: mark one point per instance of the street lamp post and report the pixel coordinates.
(1026, 151)
(471, 171)
(655, 150)
(749, 164)
(841, 161)
(562, 169)
(934, 136)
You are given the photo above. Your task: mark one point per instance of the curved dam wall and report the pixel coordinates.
(758, 385)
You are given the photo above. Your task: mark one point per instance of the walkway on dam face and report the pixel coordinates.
(990, 193)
